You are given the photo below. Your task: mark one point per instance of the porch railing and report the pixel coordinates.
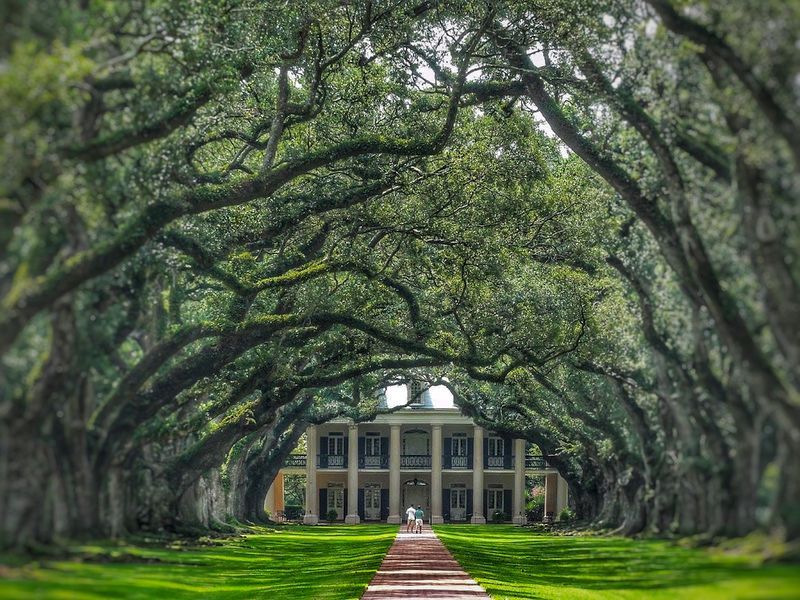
(295, 460)
(458, 462)
(380, 461)
(495, 462)
(410, 461)
(415, 461)
(536, 462)
(332, 461)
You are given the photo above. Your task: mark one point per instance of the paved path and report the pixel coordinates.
(419, 566)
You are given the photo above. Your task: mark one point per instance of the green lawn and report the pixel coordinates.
(513, 563)
(297, 562)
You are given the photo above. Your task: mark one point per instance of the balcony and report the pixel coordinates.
(536, 462)
(380, 461)
(295, 460)
(505, 461)
(415, 461)
(332, 461)
(457, 462)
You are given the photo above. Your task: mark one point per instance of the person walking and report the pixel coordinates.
(419, 515)
(411, 516)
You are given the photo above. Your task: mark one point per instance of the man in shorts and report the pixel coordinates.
(418, 516)
(411, 517)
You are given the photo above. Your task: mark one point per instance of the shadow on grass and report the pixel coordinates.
(297, 562)
(507, 557)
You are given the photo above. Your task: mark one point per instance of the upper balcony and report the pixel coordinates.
(416, 461)
(536, 462)
(376, 461)
(295, 460)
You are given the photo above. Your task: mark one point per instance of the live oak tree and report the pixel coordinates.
(224, 221)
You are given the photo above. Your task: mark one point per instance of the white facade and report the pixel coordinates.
(425, 455)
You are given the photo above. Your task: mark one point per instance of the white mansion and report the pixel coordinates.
(426, 454)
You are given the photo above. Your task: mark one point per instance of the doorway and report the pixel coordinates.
(336, 500)
(458, 503)
(417, 492)
(372, 502)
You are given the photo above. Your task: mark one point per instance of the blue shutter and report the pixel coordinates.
(323, 452)
(507, 448)
(446, 504)
(344, 446)
(470, 451)
(470, 505)
(344, 504)
(384, 453)
(361, 503)
(507, 503)
(448, 453)
(384, 504)
(323, 503)
(362, 445)
(485, 451)
(486, 503)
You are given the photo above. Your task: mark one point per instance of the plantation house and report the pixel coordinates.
(426, 454)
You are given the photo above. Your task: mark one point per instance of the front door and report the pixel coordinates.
(418, 496)
(372, 503)
(336, 501)
(458, 504)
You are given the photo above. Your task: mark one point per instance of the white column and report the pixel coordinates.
(352, 475)
(477, 478)
(394, 475)
(312, 494)
(269, 501)
(562, 492)
(436, 475)
(550, 496)
(519, 517)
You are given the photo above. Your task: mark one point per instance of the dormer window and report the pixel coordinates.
(415, 390)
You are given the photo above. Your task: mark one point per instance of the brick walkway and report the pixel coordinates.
(419, 566)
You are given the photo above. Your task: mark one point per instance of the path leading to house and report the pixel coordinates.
(419, 566)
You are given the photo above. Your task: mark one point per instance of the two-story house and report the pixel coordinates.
(426, 454)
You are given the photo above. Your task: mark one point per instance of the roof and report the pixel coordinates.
(435, 397)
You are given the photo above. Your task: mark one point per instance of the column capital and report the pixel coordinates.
(352, 426)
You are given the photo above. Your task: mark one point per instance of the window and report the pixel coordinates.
(494, 500)
(336, 444)
(336, 497)
(459, 445)
(415, 392)
(496, 446)
(372, 444)
(458, 497)
(372, 497)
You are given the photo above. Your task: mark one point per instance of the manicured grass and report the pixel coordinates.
(292, 562)
(514, 563)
